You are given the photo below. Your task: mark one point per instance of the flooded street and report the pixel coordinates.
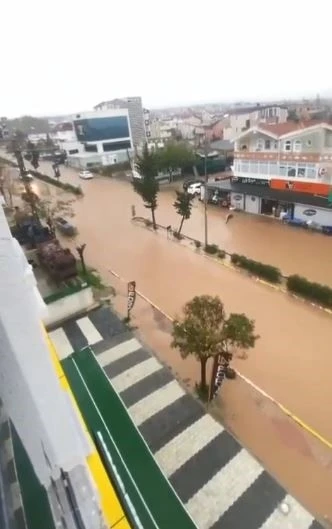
(293, 250)
(292, 361)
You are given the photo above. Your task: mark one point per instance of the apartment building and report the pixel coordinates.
(284, 170)
(243, 119)
(137, 116)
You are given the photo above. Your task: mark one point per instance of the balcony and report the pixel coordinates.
(281, 156)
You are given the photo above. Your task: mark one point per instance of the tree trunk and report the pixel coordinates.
(203, 373)
(182, 221)
(153, 219)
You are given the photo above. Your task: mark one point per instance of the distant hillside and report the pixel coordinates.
(29, 125)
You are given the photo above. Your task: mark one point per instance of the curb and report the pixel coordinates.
(236, 269)
(285, 410)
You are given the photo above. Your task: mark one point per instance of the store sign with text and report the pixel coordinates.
(311, 188)
(250, 181)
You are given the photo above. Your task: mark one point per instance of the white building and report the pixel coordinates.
(136, 114)
(30, 391)
(242, 119)
(95, 138)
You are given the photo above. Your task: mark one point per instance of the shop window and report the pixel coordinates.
(253, 167)
(263, 168)
(287, 145)
(301, 172)
(297, 147)
(291, 170)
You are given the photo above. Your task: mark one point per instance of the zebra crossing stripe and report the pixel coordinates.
(188, 443)
(90, 332)
(135, 374)
(118, 351)
(61, 343)
(293, 517)
(226, 486)
(155, 402)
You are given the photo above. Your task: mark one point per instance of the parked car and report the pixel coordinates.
(188, 183)
(86, 175)
(194, 189)
(64, 226)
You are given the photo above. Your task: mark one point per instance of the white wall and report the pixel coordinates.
(322, 216)
(68, 306)
(237, 200)
(252, 204)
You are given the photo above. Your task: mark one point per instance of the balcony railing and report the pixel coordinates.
(313, 157)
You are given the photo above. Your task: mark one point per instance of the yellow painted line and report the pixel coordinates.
(110, 504)
(296, 419)
(305, 426)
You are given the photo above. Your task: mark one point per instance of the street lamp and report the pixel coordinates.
(205, 195)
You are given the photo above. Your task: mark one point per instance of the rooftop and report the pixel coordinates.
(254, 108)
(279, 129)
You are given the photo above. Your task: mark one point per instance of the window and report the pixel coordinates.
(273, 168)
(291, 170)
(73, 151)
(263, 168)
(276, 145)
(301, 172)
(259, 145)
(253, 167)
(297, 146)
(311, 170)
(116, 146)
(102, 128)
(287, 145)
(283, 170)
(90, 148)
(267, 145)
(247, 123)
(244, 167)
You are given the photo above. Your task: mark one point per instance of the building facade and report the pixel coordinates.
(92, 139)
(137, 116)
(31, 395)
(284, 170)
(243, 119)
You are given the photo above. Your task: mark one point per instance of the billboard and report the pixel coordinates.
(312, 188)
(103, 128)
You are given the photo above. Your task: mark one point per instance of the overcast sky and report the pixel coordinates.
(66, 56)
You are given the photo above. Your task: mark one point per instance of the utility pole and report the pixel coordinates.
(205, 194)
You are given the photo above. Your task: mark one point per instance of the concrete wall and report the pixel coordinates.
(252, 204)
(321, 216)
(68, 306)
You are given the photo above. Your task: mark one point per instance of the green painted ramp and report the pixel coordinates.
(155, 502)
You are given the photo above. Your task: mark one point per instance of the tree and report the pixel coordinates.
(80, 250)
(205, 331)
(174, 156)
(183, 205)
(147, 186)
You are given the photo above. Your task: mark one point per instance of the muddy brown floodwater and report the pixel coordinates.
(292, 361)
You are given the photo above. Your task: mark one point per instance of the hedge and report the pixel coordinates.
(271, 273)
(76, 190)
(321, 294)
(212, 249)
